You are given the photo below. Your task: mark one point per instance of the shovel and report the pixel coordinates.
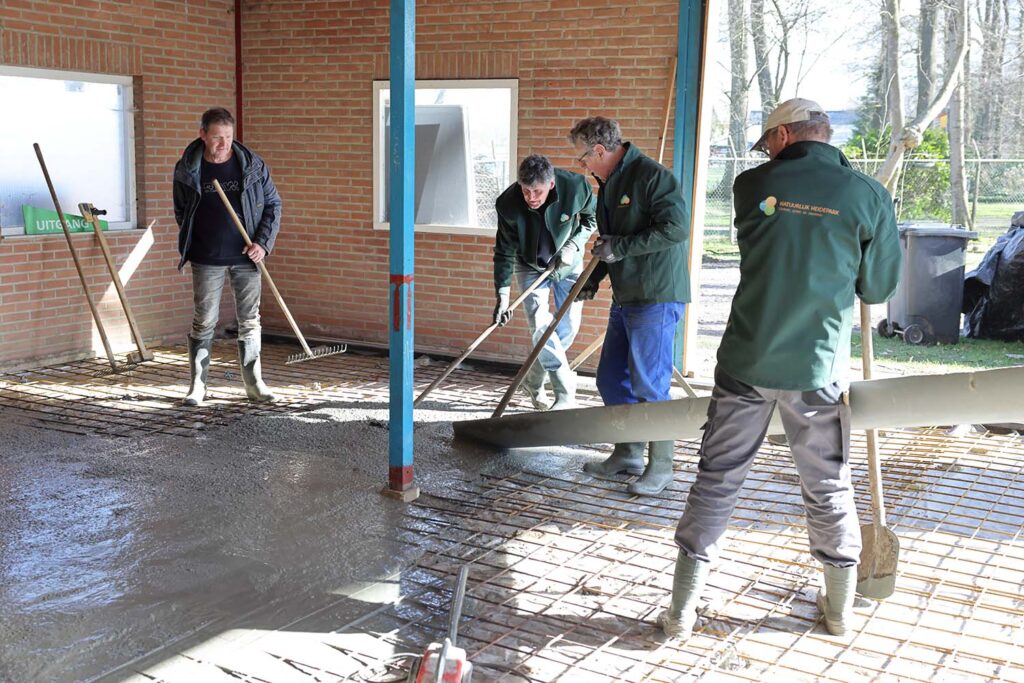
(483, 335)
(569, 300)
(879, 557)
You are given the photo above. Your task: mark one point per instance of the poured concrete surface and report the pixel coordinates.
(114, 548)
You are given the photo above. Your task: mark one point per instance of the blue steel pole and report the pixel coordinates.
(687, 107)
(402, 166)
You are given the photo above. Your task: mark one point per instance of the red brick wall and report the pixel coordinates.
(181, 55)
(308, 73)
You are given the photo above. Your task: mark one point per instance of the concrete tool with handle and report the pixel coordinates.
(569, 300)
(444, 662)
(879, 556)
(74, 256)
(90, 213)
(486, 333)
(307, 354)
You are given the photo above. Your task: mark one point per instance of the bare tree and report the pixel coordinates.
(926, 53)
(739, 86)
(957, 25)
(991, 87)
(906, 137)
(765, 85)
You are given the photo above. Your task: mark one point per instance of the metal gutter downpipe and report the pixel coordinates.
(988, 396)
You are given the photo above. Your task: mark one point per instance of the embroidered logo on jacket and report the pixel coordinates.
(624, 201)
(768, 206)
(563, 218)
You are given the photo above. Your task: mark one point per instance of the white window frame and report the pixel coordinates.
(380, 145)
(127, 82)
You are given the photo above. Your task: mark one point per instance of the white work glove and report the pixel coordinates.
(565, 255)
(501, 313)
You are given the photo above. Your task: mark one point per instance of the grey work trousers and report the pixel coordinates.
(207, 285)
(817, 425)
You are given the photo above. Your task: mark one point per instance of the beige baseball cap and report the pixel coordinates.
(790, 111)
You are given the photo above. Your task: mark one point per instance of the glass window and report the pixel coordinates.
(465, 147)
(84, 126)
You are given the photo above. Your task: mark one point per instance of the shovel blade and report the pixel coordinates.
(879, 559)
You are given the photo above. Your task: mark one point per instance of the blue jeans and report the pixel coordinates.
(636, 359)
(539, 314)
(207, 285)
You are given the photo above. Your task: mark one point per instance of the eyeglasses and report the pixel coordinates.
(580, 158)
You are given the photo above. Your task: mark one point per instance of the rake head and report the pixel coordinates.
(318, 352)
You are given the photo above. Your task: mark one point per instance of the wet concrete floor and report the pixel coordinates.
(115, 550)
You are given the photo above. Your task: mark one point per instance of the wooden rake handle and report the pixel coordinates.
(486, 333)
(874, 467)
(569, 301)
(263, 269)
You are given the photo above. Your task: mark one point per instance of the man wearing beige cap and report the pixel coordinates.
(812, 233)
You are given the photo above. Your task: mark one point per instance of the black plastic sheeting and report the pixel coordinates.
(994, 291)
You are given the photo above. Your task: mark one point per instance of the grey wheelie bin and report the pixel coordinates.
(926, 306)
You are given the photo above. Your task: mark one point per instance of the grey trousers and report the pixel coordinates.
(817, 425)
(207, 286)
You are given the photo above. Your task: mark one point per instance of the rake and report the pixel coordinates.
(307, 353)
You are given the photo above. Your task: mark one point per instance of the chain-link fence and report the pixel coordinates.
(995, 189)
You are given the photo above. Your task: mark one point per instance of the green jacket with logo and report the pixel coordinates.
(569, 218)
(812, 232)
(641, 205)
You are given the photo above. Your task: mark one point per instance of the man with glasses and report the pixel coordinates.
(644, 240)
(812, 233)
(545, 218)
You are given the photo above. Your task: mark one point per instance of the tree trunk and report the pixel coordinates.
(739, 88)
(762, 62)
(926, 54)
(956, 26)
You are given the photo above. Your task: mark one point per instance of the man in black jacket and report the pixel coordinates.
(209, 239)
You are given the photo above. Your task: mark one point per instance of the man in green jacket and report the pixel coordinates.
(813, 233)
(545, 218)
(644, 248)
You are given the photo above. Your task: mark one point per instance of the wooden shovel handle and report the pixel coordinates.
(569, 300)
(874, 468)
(486, 333)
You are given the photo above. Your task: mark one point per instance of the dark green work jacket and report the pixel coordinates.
(569, 218)
(640, 204)
(812, 233)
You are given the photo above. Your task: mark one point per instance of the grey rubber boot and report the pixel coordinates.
(249, 361)
(681, 616)
(199, 369)
(658, 474)
(563, 381)
(626, 457)
(836, 602)
(533, 383)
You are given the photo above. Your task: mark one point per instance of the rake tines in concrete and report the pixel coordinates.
(313, 354)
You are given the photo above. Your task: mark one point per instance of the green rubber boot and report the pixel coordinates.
(681, 616)
(199, 370)
(626, 457)
(249, 363)
(658, 474)
(836, 602)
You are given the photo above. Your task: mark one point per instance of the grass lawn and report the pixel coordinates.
(717, 245)
(895, 355)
